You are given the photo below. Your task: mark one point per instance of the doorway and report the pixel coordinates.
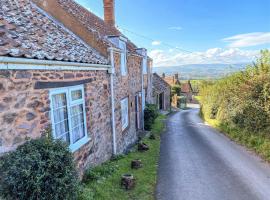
(161, 101)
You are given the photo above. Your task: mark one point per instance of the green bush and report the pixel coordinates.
(150, 114)
(39, 169)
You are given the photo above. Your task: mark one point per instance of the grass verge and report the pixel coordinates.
(103, 182)
(257, 142)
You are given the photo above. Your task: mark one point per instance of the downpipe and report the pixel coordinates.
(113, 102)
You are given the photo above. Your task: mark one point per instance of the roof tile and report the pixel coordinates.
(26, 32)
(93, 23)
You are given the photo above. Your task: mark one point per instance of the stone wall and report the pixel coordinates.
(126, 86)
(25, 111)
(160, 86)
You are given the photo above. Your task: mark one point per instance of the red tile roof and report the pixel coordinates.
(26, 31)
(93, 23)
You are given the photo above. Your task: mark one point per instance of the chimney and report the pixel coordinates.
(163, 75)
(176, 77)
(109, 16)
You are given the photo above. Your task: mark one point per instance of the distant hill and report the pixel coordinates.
(201, 71)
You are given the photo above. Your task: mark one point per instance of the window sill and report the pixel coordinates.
(79, 144)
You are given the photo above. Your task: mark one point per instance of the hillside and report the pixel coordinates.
(201, 71)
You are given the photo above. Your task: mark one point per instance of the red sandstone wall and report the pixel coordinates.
(25, 111)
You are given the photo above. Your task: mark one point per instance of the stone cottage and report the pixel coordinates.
(65, 69)
(187, 91)
(161, 93)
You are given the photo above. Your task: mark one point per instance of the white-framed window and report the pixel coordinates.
(124, 113)
(68, 116)
(144, 65)
(143, 99)
(123, 48)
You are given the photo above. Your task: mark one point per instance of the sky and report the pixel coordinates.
(178, 32)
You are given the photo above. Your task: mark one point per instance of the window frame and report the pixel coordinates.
(123, 65)
(125, 126)
(144, 65)
(67, 91)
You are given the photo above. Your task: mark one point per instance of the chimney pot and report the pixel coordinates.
(109, 15)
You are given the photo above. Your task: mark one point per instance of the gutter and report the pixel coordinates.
(10, 63)
(112, 101)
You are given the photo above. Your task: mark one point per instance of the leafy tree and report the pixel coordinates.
(176, 89)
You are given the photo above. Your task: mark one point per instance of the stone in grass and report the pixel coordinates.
(136, 164)
(152, 137)
(127, 181)
(143, 147)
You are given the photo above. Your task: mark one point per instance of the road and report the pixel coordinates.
(199, 163)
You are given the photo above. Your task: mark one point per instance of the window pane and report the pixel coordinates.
(123, 64)
(76, 94)
(144, 65)
(60, 114)
(124, 113)
(77, 122)
(75, 110)
(59, 100)
(78, 133)
(62, 131)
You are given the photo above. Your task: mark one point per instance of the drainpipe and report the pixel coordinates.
(142, 76)
(112, 102)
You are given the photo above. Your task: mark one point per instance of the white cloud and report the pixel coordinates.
(214, 55)
(248, 39)
(177, 28)
(156, 43)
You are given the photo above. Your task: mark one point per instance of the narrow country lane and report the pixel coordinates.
(199, 163)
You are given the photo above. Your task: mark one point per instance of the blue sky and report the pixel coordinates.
(215, 31)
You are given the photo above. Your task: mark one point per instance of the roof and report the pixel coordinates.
(93, 23)
(171, 80)
(186, 87)
(161, 79)
(26, 31)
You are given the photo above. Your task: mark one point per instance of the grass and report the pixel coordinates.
(257, 142)
(103, 182)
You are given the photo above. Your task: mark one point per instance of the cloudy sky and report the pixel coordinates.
(177, 32)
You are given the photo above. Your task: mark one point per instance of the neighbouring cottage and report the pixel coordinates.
(161, 93)
(171, 80)
(187, 91)
(65, 69)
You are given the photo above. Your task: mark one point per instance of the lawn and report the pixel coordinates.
(104, 181)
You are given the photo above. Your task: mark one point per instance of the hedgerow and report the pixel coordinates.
(241, 101)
